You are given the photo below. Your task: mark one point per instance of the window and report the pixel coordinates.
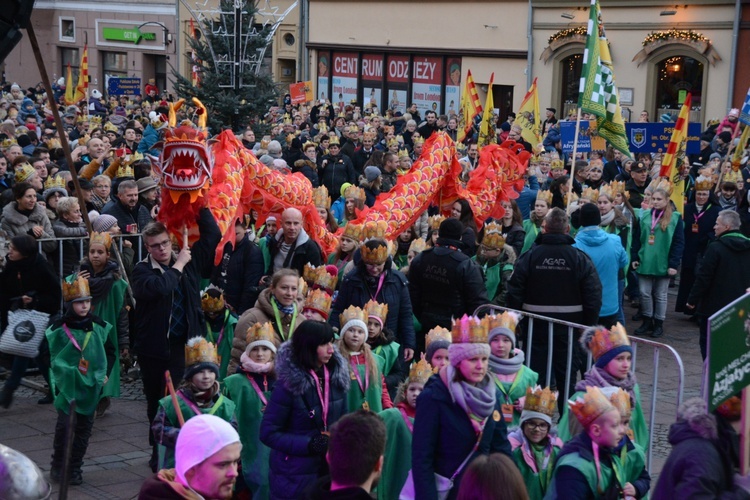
(114, 64)
(676, 76)
(67, 29)
(571, 68)
(69, 56)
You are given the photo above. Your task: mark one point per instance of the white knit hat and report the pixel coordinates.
(356, 322)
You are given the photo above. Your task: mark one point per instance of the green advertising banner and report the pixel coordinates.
(133, 35)
(729, 351)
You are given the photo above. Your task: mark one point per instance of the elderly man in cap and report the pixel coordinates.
(207, 454)
(550, 120)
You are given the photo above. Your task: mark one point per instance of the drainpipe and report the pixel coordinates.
(530, 52)
(733, 61)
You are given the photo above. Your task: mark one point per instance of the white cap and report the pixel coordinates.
(96, 94)
(199, 439)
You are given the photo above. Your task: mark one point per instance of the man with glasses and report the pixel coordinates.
(166, 287)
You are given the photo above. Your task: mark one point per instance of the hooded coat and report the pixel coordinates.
(294, 416)
(609, 257)
(15, 223)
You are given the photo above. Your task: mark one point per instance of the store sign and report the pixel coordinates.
(133, 35)
(729, 351)
(427, 73)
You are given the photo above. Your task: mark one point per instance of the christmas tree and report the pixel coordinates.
(232, 99)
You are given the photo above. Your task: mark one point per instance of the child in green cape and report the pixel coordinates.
(220, 323)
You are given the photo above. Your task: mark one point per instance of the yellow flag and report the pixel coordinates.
(69, 93)
(528, 117)
(487, 133)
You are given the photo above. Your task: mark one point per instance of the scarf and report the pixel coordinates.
(507, 366)
(204, 399)
(284, 309)
(608, 218)
(478, 401)
(599, 377)
(403, 247)
(250, 366)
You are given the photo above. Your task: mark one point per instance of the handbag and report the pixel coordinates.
(24, 332)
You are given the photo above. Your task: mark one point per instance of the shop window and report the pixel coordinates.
(69, 56)
(570, 70)
(67, 29)
(114, 64)
(676, 76)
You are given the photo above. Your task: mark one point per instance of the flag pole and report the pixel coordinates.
(573, 163)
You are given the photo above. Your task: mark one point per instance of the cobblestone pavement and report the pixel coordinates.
(117, 459)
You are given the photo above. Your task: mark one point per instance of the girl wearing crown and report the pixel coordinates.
(535, 444)
(612, 355)
(458, 416)
(82, 356)
(437, 341)
(250, 388)
(220, 323)
(399, 425)
(368, 388)
(348, 244)
(384, 347)
(403, 243)
(510, 375)
(496, 260)
(198, 394)
(354, 201)
(108, 292)
(317, 306)
(533, 225)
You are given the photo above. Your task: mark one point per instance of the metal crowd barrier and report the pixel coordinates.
(137, 240)
(635, 343)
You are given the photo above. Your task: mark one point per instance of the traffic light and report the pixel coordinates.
(14, 16)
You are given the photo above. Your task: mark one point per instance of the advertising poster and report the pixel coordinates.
(324, 71)
(729, 351)
(452, 85)
(344, 79)
(398, 79)
(372, 76)
(426, 85)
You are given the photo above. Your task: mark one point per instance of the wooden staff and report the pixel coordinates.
(173, 395)
(185, 237)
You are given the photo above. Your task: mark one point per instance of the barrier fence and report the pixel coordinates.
(635, 342)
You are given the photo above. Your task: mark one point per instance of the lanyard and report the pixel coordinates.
(655, 221)
(197, 410)
(380, 285)
(355, 367)
(257, 389)
(407, 421)
(512, 386)
(221, 332)
(74, 342)
(697, 217)
(324, 398)
(278, 320)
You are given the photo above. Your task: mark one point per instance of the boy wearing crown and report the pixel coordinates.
(496, 260)
(382, 341)
(585, 467)
(220, 323)
(198, 394)
(82, 357)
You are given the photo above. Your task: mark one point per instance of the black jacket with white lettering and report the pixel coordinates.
(554, 279)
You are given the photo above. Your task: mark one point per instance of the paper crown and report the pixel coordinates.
(392, 142)
(287, 119)
(289, 138)
(124, 170)
(334, 141)
(24, 172)
(507, 319)
(417, 246)
(732, 176)
(660, 183)
(101, 238)
(556, 165)
(111, 127)
(402, 153)
(590, 194)
(309, 144)
(375, 256)
(352, 313)
(541, 400)
(310, 272)
(703, 183)
(212, 304)
(353, 232)
(377, 310)
(54, 182)
(53, 143)
(260, 332)
(369, 135)
(418, 140)
(545, 196)
(302, 287)
(75, 288)
(95, 121)
(318, 300)
(354, 192)
(435, 221)
(8, 142)
(469, 330)
(326, 279)
(419, 372)
(599, 341)
(374, 230)
(80, 118)
(199, 350)
(620, 399)
(493, 236)
(320, 197)
(591, 406)
(353, 128)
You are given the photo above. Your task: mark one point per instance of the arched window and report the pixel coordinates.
(570, 81)
(676, 76)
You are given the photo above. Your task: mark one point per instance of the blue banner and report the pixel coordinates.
(123, 86)
(642, 137)
(567, 136)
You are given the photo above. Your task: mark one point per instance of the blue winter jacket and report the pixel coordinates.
(527, 197)
(608, 256)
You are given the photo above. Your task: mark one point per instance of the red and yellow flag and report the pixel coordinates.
(471, 107)
(69, 90)
(528, 117)
(83, 76)
(675, 160)
(487, 134)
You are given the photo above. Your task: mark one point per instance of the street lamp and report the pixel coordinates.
(167, 38)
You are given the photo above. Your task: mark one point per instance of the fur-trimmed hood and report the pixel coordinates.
(298, 382)
(693, 420)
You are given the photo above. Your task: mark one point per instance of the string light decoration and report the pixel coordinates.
(674, 34)
(567, 33)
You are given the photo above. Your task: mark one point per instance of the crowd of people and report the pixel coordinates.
(366, 371)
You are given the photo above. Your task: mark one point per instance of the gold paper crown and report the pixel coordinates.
(95, 121)
(323, 128)
(319, 301)
(287, 119)
(507, 320)
(732, 176)
(556, 165)
(437, 334)
(620, 399)
(309, 144)
(309, 273)
(111, 127)
(590, 194)
(545, 196)
(264, 143)
(420, 372)
(53, 143)
(353, 232)
(375, 257)
(302, 287)
(353, 128)
(54, 182)
(24, 172)
(75, 287)
(591, 406)
(334, 140)
(102, 238)
(660, 183)
(469, 330)
(320, 197)
(289, 138)
(418, 140)
(535, 160)
(417, 246)
(199, 350)
(80, 118)
(612, 189)
(703, 183)
(354, 192)
(325, 280)
(599, 340)
(212, 304)
(402, 153)
(540, 400)
(371, 135)
(377, 309)
(124, 170)
(259, 332)
(8, 142)
(435, 221)
(374, 230)
(352, 313)
(493, 236)
(392, 142)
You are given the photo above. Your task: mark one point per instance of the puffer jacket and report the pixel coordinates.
(15, 223)
(609, 258)
(294, 416)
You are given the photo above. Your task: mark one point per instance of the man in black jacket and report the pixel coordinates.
(168, 311)
(240, 271)
(132, 216)
(336, 169)
(555, 279)
(292, 247)
(445, 283)
(724, 272)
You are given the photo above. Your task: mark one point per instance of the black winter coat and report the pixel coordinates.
(360, 158)
(445, 283)
(305, 251)
(307, 168)
(337, 171)
(239, 274)
(125, 217)
(696, 243)
(555, 279)
(354, 291)
(32, 276)
(444, 437)
(153, 288)
(724, 274)
(294, 416)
